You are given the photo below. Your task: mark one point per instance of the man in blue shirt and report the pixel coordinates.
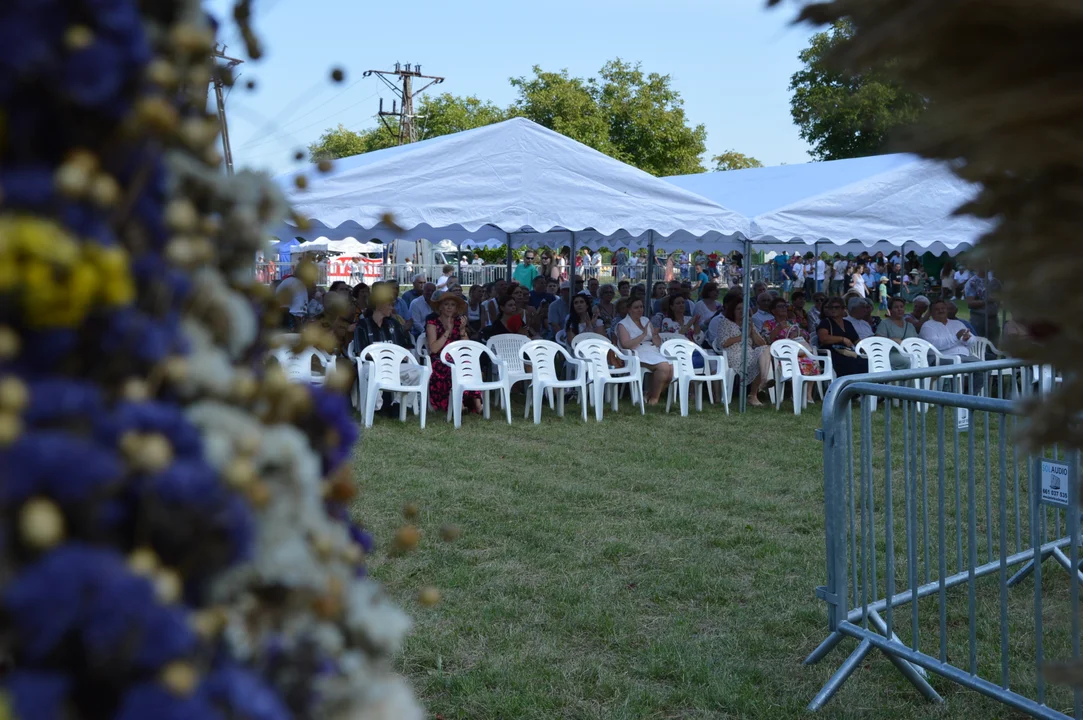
(538, 295)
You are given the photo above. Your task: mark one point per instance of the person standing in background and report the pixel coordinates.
(821, 273)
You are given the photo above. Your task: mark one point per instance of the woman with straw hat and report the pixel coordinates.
(447, 324)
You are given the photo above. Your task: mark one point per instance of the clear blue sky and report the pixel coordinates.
(731, 60)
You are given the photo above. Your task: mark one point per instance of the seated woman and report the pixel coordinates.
(475, 309)
(446, 324)
(726, 339)
(781, 327)
(509, 311)
(674, 318)
(526, 317)
(838, 335)
(635, 333)
(583, 318)
(896, 327)
(378, 325)
(607, 309)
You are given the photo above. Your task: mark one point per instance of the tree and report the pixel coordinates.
(439, 115)
(847, 115)
(342, 142)
(565, 105)
(733, 160)
(625, 113)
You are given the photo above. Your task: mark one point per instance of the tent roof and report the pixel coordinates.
(872, 202)
(509, 177)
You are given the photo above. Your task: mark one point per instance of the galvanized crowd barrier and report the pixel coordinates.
(938, 529)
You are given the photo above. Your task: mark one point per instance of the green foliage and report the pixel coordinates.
(847, 115)
(625, 113)
(733, 160)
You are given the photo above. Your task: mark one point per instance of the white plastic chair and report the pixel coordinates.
(596, 354)
(981, 348)
(421, 350)
(542, 357)
(583, 337)
(877, 350)
(919, 351)
(298, 365)
(787, 354)
(508, 350)
(381, 363)
(680, 352)
(464, 359)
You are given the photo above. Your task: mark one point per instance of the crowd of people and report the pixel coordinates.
(820, 305)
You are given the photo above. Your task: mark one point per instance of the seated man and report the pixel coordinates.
(378, 325)
(949, 337)
(859, 309)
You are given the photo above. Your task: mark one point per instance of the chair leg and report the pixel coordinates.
(798, 395)
(537, 396)
(423, 402)
(710, 392)
(370, 404)
(583, 402)
(506, 392)
(402, 408)
(560, 402)
(457, 405)
(669, 397)
(682, 390)
(485, 404)
(699, 396)
(642, 404)
(599, 399)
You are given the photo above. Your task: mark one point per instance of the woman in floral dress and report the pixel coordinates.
(782, 328)
(447, 324)
(725, 333)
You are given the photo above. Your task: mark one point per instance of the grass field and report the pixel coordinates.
(646, 567)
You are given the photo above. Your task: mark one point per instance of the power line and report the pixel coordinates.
(281, 129)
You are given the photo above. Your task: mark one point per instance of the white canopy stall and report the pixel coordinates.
(516, 182)
(862, 204)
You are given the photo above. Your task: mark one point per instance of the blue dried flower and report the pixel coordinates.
(150, 700)
(37, 695)
(334, 410)
(243, 694)
(67, 468)
(90, 592)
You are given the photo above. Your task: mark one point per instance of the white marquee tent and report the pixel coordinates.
(872, 203)
(513, 181)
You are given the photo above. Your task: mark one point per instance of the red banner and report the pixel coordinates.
(368, 270)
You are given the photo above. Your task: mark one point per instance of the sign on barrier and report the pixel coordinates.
(1054, 483)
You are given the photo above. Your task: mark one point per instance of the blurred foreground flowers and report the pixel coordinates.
(175, 543)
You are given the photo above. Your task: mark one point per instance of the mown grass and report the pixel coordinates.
(645, 567)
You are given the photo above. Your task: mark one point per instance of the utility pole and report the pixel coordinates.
(228, 64)
(403, 107)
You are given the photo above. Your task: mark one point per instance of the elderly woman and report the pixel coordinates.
(635, 333)
(895, 327)
(447, 324)
(781, 327)
(726, 338)
(837, 334)
(379, 325)
(919, 314)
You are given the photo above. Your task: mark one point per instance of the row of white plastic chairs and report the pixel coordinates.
(515, 359)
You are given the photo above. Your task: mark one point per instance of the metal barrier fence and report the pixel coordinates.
(925, 497)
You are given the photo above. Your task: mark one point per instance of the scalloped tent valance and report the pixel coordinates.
(511, 180)
(872, 203)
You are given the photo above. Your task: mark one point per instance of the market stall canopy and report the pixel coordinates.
(508, 180)
(346, 246)
(870, 203)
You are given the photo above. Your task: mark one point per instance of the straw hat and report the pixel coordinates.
(439, 298)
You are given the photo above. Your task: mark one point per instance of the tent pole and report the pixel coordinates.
(649, 296)
(459, 264)
(746, 263)
(509, 258)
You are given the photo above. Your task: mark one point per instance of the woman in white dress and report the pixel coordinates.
(859, 285)
(635, 333)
